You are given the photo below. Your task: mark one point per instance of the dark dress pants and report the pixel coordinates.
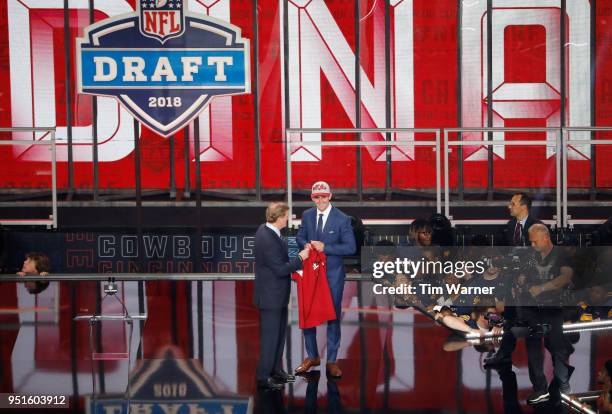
(272, 330)
(554, 341)
(336, 287)
(509, 390)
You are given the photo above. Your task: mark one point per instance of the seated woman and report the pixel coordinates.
(420, 233)
(35, 264)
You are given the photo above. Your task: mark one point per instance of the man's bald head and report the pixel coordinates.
(539, 236)
(539, 228)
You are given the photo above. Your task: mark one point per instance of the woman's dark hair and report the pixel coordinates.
(41, 261)
(416, 226)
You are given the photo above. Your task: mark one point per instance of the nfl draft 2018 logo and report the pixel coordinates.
(163, 63)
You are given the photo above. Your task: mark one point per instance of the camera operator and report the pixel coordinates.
(547, 286)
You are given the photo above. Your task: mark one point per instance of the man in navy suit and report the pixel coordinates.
(328, 230)
(517, 229)
(273, 270)
(517, 234)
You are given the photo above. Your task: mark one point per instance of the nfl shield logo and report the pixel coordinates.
(161, 19)
(164, 86)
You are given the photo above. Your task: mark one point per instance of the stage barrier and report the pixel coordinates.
(567, 142)
(52, 220)
(496, 142)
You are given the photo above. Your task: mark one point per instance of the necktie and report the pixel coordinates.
(516, 240)
(319, 232)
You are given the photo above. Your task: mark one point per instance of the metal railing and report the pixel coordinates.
(562, 145)
(566, 142)
(52, 220)
(567, 327)
(472, 143)
(576, 404)
(289, 143)
(149, 277)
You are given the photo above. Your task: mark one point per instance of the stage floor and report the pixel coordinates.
(198, 349)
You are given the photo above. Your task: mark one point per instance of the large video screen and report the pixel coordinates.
(435, 75)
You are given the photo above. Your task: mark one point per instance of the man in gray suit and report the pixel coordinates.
(273, 270)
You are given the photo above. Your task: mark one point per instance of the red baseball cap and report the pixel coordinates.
(320, 188)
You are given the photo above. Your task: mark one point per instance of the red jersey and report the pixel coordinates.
(314, 297)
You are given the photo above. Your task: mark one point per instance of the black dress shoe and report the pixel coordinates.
(282, 376)
(497, 360)
(270, 384)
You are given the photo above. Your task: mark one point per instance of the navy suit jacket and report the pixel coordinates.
(337, 235)
(273, 270)
(525, 236)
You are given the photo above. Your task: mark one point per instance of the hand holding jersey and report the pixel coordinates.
(314, 298)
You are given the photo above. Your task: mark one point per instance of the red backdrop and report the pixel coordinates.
(436, 80)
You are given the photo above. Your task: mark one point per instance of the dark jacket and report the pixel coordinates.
(273, 270)
(525, 236)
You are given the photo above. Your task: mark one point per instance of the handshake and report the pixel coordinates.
(316, 245)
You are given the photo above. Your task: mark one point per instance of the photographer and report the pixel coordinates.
(547, 286)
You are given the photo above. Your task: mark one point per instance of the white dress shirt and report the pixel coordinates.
(325, 216)
(274, 228)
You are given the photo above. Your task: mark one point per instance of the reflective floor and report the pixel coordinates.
(198, 348)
